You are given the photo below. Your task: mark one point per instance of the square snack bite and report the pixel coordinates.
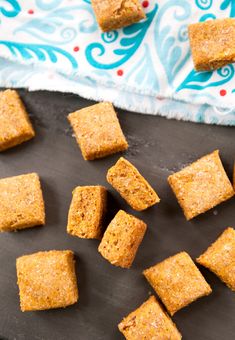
(114, 14)
(220, 257)
(87, 211)
(47, 280)
(98, 131)
(21, 202)
(131, 185)
(177, 281)
(149, 321)
(121, 239)
(202, 185)
(212, 43)
(15, 126)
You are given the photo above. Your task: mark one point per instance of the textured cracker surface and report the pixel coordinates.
(98, 131)
(149, 322)
(220, 257)
(177, 281)
(131, 185)
(121, 239)
(47, 280)
(15, 126)
(21, 202)
(114, 14)
(212, 43)
(201, 185)
(87, 211)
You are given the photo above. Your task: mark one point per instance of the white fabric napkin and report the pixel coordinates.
(146, 67)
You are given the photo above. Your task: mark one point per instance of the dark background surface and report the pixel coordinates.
(158, 147)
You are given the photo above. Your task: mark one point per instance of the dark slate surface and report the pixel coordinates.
(157, 147)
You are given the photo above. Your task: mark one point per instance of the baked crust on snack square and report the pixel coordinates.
(122, 239)
(86, 212)
(21, 202)
(47, 280)
(114, 14)
(202, 185)
(177, 281)
(98, 131)
(131, 185)
(149, 322)
(220, 257)
(15, 126)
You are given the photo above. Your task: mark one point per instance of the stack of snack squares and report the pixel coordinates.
(48, 280)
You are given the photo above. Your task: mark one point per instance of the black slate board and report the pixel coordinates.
(157, 147)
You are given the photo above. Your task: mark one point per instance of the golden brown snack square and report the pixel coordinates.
(87, 211)
(149, 322)
(212, 43)
(202, 185)
(114, 14)
(122, 239)
(220, 257)
(98, 131)
(47, 280)
(21, 202)
(15, 126)
(131, 185)
(177, 281)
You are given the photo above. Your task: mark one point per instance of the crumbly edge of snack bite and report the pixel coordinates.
(99, 218)
(28, 132)
(41, 217)
(172, 309)
(129, 321)
(172, 180)
(71, 263)
(217, 62)
(128, 196)
(118, 18)
(205, 258)
(110, 249)
(120, 145)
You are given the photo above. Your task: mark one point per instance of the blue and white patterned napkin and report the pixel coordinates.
(147, 67)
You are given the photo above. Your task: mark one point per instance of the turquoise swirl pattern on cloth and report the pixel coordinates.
(147, 67)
